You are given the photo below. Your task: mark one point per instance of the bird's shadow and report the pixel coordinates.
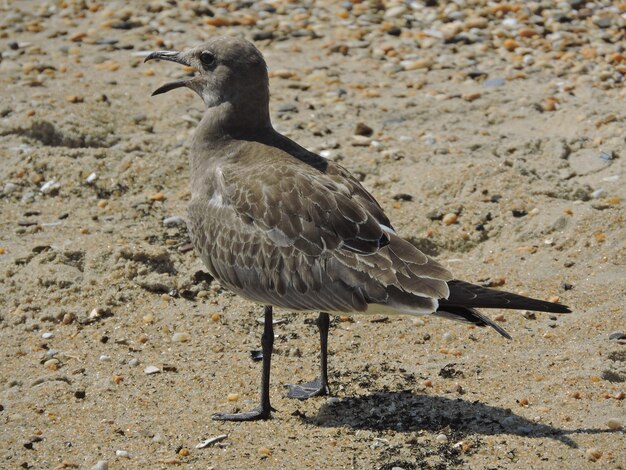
(405, 411)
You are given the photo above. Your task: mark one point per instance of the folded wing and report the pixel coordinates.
(305, 239)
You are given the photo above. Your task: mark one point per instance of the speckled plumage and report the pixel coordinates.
(299, 236)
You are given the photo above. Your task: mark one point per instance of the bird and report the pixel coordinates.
(286, 228)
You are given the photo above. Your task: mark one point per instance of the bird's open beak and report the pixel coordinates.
(172, 56)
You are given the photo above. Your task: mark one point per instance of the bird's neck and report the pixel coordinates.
(227, 120)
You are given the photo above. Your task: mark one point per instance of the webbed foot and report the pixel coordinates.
(254, 415)
(308, 390)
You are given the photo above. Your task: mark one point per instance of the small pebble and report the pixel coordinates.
(423, 63)
(123, 453)
(9, 188)
(615, 424)
(134, 362)
(101, 465)
(597, 193)
(95, 313)
(449, 219)
(360, 141)
(441, 438)
(47, 335)
(180, 337)
(593, 454)
(75, 99)
(471, 96)
(265, 452)
(395, 11)
(606, 156)
(402, 197)
(104, 358)
(233, 397)
(287, 108)
(151, 370)
(493, 82)
(52, 364)
(174, 221)
(363, 129)
(510, 44)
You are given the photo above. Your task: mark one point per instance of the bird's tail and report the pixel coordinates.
(469, 315)
(464, 294)
(464, 298)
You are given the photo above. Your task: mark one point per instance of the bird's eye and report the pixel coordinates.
(207, 58)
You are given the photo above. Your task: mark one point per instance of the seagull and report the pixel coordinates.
(284, 227)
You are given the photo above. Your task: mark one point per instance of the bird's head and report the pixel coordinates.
(230, 70)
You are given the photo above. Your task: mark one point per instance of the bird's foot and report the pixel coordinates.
(254, 415)
(308, 390)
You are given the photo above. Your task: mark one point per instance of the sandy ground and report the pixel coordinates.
(97, 291)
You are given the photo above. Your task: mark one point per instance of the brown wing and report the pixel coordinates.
(294, 236)
(301, 206)
(247, 261)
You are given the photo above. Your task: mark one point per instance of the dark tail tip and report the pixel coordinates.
(552, 308)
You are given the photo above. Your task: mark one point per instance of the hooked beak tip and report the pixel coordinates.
(153, 55)
(172, 56)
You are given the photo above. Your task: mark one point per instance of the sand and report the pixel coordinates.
(116, 347)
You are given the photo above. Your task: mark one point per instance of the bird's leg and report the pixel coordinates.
(263, 411)
(318, 387)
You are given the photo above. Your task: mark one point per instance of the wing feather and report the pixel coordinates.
(306, 237)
